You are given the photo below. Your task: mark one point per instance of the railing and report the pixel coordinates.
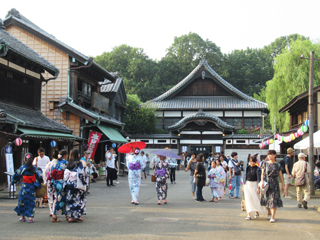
(83, 97)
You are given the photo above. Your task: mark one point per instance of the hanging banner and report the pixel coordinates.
(9, 163)
(93, 141)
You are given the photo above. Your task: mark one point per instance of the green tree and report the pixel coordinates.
(291, 77)
(138, 119)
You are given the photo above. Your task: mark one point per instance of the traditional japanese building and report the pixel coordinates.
(203, 112)
(22, 72)
(74, 99)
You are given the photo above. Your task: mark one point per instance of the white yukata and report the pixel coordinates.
(134, 175)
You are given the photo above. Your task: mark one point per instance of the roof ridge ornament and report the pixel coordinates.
(14, 12)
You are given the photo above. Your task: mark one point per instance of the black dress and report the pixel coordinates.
(201, 175)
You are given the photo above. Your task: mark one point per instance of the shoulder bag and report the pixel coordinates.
(301, 181)
(265, 183)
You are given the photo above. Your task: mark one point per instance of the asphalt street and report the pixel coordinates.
(111, 216)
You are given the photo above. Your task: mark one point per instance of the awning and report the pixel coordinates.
(112, 134)
(305, 143)
(44, 134)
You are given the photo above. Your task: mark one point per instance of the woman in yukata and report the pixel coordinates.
(162, 172)
(135, 163)
(56, 175)
(47, 180)
(75, 183)
(27, 195)
(222, 179)
(215, 176)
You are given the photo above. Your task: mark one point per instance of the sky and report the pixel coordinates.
(93, 27)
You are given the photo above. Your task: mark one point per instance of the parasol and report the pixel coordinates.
(166, 153)
(129, 147)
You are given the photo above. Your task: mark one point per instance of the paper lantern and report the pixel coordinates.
(283, 139)
(53, 144)
(299, 132)
(292, 136)
(18, 141)
(296, 134)
(304, 128)
(306, 122)
(260, 145)
(268, 142)
(271, 141)
(114, 145)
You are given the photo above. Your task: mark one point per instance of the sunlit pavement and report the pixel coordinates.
(111, 216)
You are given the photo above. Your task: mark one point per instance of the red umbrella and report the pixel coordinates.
(129, 147)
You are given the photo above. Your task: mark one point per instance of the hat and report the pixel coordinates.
(290, 150)
(86, 152)
(301, 155)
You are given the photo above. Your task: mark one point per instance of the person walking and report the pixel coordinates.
(47, 179)
(222, 179)
(144, 159)
(147, 164)
(134, 164)
(215, 176)
(172, 165)
(234, 175)
(273, 198)
(154, 161)
(250, 189)
(110, 157)
(41, 162)
(88, 169)
(162, 172)
(200, 176)
(225, 167)
(287, 177)
(56, 175)
(75, 182)
(300, 171)
(27, 194)
(192, 167)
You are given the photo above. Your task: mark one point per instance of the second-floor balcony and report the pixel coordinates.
(84, 98)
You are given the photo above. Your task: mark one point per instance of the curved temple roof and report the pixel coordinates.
(201, 116)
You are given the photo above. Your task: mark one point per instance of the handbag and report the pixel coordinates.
(301, 181)
(153, 178)
(208, 182)
(265, 184)
(40, 192)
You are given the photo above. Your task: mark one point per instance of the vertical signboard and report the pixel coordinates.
(93, 141)
(9, 163)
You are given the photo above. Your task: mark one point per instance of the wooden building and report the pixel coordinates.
(201, 110)
(74, 98)
(22, 72)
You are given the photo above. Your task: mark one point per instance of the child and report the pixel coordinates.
(214, 177)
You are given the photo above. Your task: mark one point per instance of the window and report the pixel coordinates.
(252, 122)
(236, 122)
(159, 123)
(240, 141)
(146, 141)
(162, 141)
(170, 121)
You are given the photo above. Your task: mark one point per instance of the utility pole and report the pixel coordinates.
(311, 121)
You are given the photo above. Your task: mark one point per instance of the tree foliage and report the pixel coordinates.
(291, 78)
(138, 119)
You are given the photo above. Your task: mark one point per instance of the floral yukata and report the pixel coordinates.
(75, 183)
(134, 163)
(27, 195)
(50, 189)
(216, 175)
(56, 174)
(161, 172)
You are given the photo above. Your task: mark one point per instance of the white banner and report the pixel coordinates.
(9, 163)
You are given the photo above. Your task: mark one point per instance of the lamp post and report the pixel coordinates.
(311, 120)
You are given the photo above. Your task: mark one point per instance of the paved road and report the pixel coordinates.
(111, 216)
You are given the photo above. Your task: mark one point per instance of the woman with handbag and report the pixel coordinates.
(162, 173)
(56, 175)
(250, 189)
(192, 167)
(75, 185)
(27, 195)
(200, 176)
(273, 197)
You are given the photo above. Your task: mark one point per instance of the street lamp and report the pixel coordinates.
(311, 122)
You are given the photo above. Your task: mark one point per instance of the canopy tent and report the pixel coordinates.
(304, 144)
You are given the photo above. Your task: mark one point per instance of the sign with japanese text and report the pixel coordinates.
(93, 141)
(9, 163)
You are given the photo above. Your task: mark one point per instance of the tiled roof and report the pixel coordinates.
(206, 102)
(112, 87)
(97, 116)
(13, 44)
(146, 136)
(201, 116)
(31, 118)
(246, 136)
(19, 18)
(210, 102)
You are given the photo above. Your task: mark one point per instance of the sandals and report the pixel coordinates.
(272, 220)
(136, 203)
(257, 215)
(165, 202)
(132, 202)
(159, 203)
(23, 219)
(80, 219)
(72, 220)
(55, 220)
(31, 220)
(212, 200)
(248, 218)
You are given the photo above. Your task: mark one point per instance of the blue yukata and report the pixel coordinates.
(215, 175)
(57, 172)
(27, 195)
(135, 163)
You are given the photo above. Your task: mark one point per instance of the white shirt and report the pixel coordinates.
(110, 163)
(42, 162)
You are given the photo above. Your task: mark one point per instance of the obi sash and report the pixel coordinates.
(161, 172)
(29, 179)
(135, 166)
(57, 174)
